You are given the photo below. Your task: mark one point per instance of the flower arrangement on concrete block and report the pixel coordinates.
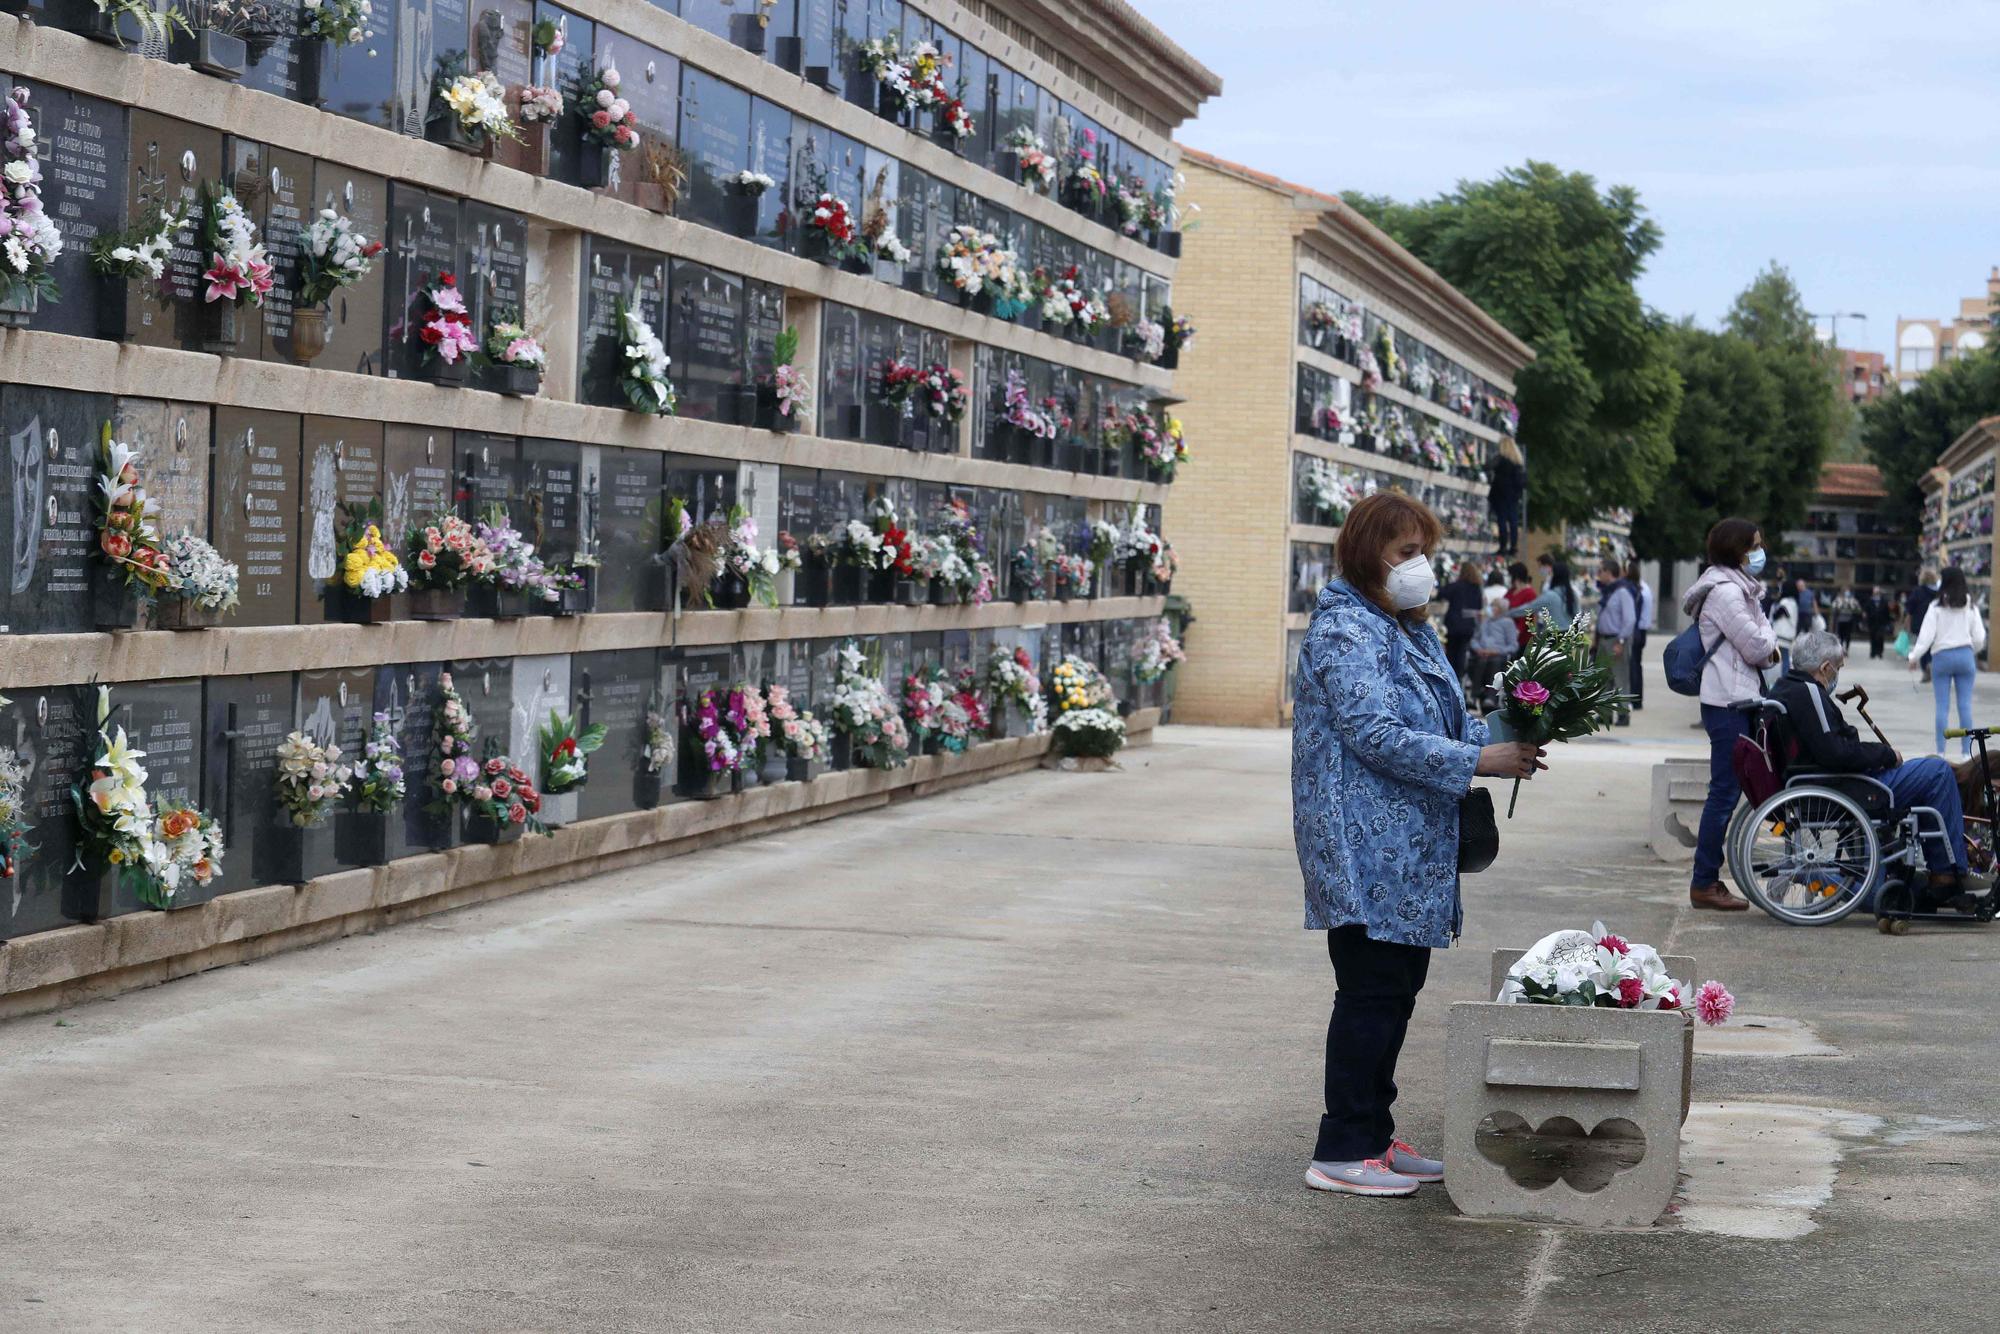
(566, 748)
(1156, 653)
(642, 364)
(1034, 166)
(378, 779)
(312, 779)
(1601, 969)
(14, 823)
(126, 536)
(199, 576)
(158, 854)
(865, 716)
(32, 241)
(447, 553)
(1010, 679)
(468, 108)
(798, 733)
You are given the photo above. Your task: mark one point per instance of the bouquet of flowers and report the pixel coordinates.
(831, 219)
(125, 533)
(311, 778)
(1073, 574)
(973, 261)
(970, 574)
(139, 250)
(659, 751)
(944, 393)
(862, 710)
(540, 104)
(154, 853)
(1077, 684)
(924, 694)
(718, 725)
(1165, 446)
(789, 555)
(1018, 410)
(965, 717)
(1554, 690)
(370, 569)
(1028, 567)
(332, 255)
(499, 790)
(443, 323)
(378, 779)
(1165, 564)
(1011, 677)
(752, 182)
(448, 553)
(802, 736)
(32, 241)
(899, 381)
(1328, 489)
(1132, 197)
(954, 116)
(1603, 969)
(198, 574)
(1138, 544)
(1088, 733)
(882, 59)
(340, 22)
(565, 751)
(794, 391)
(610, 120)
(1031, 157)
(516, 567)
(476, 100)
(756, 566)
(238, 269)
(1156, 654)
(1148, 338)
(452, 732)
(509, 344)
(643, 365)
(14, 822)
(1180, 333)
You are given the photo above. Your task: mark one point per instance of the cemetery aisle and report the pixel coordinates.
(1040, 1055)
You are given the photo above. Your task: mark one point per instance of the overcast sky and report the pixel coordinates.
(1854, 143)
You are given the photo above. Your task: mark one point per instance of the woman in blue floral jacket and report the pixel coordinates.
(1382, 750)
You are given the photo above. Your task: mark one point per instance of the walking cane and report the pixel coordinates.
(1857, 692)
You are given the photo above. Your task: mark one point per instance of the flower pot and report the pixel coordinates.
(580, 601)
(220, 330)
(1021, 593)
(361, 838)
(816, 583)
(1170, 244)
(448, 374)
(703, 783)
(309, 329)
(799, 770)
(888, 103)
(1170, 358)
(315, 57)
(514, 380)
(559, 808)
(909, 592)
(652, 196)
(114, 603)
(178, 613)
(943, 137)
(494, 603)
(18, 306)
(732, 592)
(593, 168)
(768, 417)
(1008, 164)
(820, 76)
(914, 276)
(849, 583)
(931, 744)
(347, 607)
(90, 895)
(858, 261)
(647, 789)
(738, 778)
(739, 213)
(85, 18)
(816, 245)
(478, 827)
(881, 587)
(996, 720)
(298, 855)
(435, 604)
(791, 54)
(886, 428)
(1030, 319)
(840, 752)
(218, 53)
(943, 594)
(449, 131)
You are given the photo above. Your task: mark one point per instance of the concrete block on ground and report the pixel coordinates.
(1680, 787)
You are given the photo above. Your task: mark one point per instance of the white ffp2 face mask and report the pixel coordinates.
(1411, 584)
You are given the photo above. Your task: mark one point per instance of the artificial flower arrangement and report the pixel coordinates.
(832, 223)
(1179, 334)
(1028, 571)
(1049, 299)
(378, 779)
(927, 64)
(1086, 719)
(311, 778)
(756, 566)
(659, 742)
(1072, 576)
(156, 854)
(1137, 545)
(1134, 201)
(32, 242)
(503, 795)
(976, 262)
(508, 343)
(470, 106)
(1163, 447)
(491, 789)
(1329, 490)
(339, 22)
(1156, 654)
(956, 119)
(943, 394)
(801, 736)
(516, 568)
(1010, 677)
(887, 245)
(861, 710)
(1018, 410)
(1102, 541)
(139, 250)
(1035, 166)
(1147, 340)
(609, 120)
(643, 362)
(719, 725)
(126, 536)
(332, 255)
(14, 823)
(447, 553)
(752, 182)
(925, 692)
(971, 577)
(968, 701)
(1604, 970)
(238, 271)
(1554, 690)
(1075, 683)
(370, 569)
(881, 58)
(790, 389)
(1083, 183)
(899, 381)
(198, 575)
(550, 36)
(444, 326)
(694, 554)
(566, 750)
(1165, 565)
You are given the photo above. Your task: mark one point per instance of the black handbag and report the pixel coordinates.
(1478, 828)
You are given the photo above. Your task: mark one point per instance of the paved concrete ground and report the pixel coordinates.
(1038, 1056)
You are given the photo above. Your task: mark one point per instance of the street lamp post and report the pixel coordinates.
(1833, 319)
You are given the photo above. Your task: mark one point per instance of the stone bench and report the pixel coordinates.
(1680, 788)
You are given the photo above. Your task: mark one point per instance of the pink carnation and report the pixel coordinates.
(1713, 1004)
(1532, 693)
(1630, 992)
(1615, 943)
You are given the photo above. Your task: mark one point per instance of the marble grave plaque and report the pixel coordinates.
(617, 689)
(50, 523)
(51, 732)
(82, 143)
(628, 538)
(422, 243)
(341, 464)
(244, 720)
(408, 693)
(613, 271)
(354, 331)
(254, 510)
(552, 498)
(707, 341)
(168, 162)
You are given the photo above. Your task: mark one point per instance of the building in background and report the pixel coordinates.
(1922, 344)
(1330, 363)
(1958, 513)
(1847, 540)
(1864, 376)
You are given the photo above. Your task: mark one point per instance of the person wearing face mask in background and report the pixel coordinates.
(1617, 621)
(1724, 604)
(1557, 601)
(1383, 748)
(1828, 743)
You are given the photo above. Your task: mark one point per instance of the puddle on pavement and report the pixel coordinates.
(1763, 1035)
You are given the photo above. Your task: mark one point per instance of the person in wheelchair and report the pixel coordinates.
(1828, 743)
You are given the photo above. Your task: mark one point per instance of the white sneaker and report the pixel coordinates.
(1370, 1176)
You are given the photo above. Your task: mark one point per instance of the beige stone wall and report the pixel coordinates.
(1226, 511)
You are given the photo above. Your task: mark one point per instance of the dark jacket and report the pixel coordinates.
(1463, 601)
(1509, 480)
(1825, 739)
(1917, 603)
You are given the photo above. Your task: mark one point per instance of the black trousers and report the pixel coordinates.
(1637, 684)
(1375, 988)
(1876, 634)
(1457, 649)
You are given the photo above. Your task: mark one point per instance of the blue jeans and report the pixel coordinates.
(1724, 726)
(1928, 782)
(1953, 670)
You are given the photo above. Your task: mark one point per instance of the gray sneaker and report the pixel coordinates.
(1370, 1176)
(1407, 1161)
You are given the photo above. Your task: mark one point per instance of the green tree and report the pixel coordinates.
(1554, 260)
(1906, 432)
(1772, 316)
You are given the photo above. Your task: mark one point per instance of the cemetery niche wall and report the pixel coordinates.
(388, 509)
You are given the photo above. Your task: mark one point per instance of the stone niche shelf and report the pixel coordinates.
(93, 365)
(66, 60)
(28, 661)
(1395, 393)
(1361, 458)
(53, 968)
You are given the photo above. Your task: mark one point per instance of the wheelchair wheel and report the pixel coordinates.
(1810, 854)
(1736, 847)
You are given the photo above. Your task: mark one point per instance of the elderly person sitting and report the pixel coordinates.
(1827, 742)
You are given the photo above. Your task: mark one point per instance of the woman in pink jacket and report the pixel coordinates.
(1725, 602)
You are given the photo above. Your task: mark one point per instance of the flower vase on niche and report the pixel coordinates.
(480, 827)
(304, 853)
(222, 55)
(361, 838)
